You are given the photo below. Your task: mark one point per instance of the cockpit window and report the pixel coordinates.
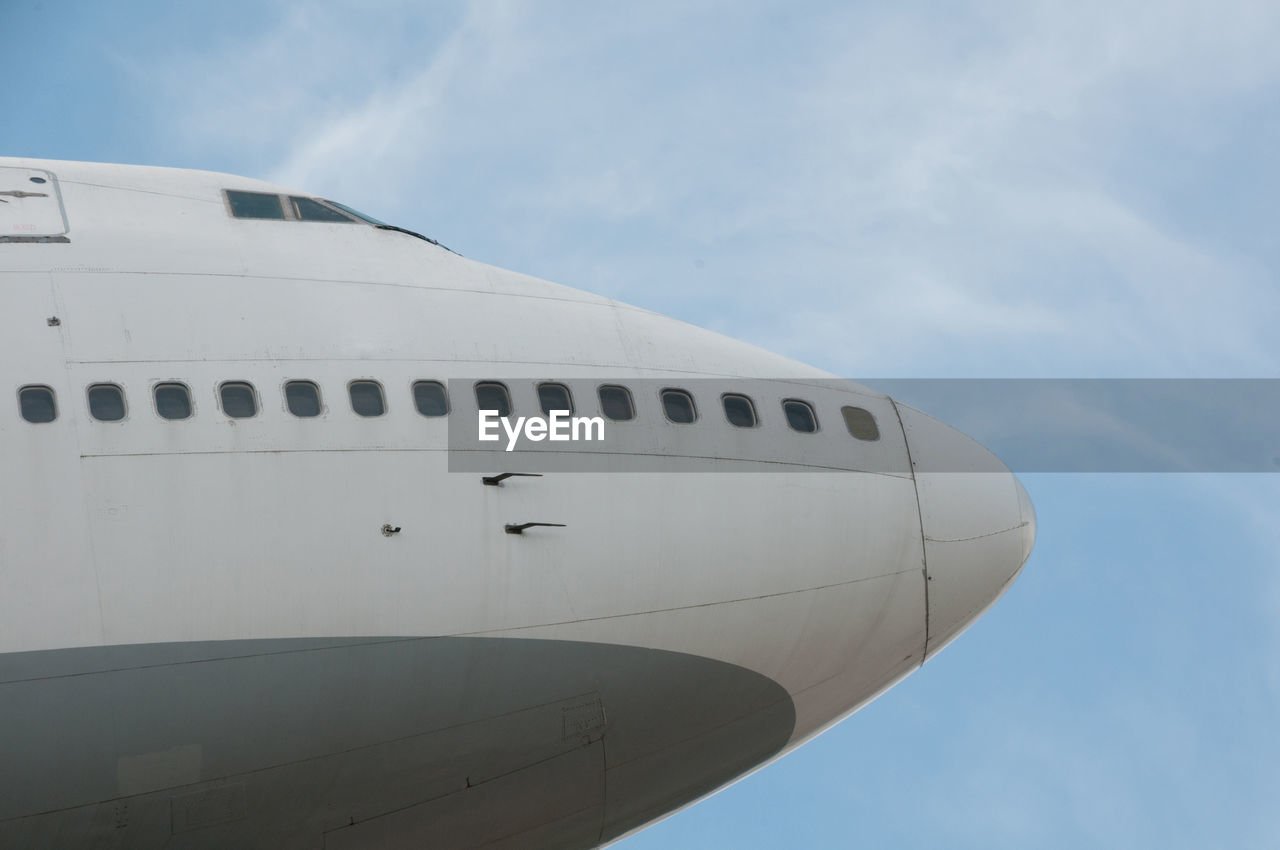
(309, 209)
(358, 215)
(264, 205)
(254, 205)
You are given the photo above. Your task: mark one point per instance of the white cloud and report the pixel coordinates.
(991, 188)
(873, 188)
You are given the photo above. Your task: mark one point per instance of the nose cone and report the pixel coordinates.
(1027, 513)
(977, 522)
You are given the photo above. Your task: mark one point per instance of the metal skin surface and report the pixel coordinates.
(207, 640)
(368, 743)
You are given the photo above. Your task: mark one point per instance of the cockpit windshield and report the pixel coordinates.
(309, 209)
(358, 215)
(267, 205)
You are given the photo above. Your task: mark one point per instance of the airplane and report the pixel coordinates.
(262, 584)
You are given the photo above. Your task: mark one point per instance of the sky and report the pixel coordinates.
(884, 190)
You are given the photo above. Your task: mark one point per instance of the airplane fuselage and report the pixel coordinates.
(311, 627)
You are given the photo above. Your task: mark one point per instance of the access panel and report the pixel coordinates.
(30, 206)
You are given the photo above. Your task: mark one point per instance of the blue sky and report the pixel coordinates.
(981, 189)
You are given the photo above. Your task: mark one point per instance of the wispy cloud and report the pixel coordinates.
(872, 188)
(990, 188)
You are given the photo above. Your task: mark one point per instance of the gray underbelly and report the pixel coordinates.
(368, 742)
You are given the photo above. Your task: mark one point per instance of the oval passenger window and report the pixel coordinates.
(366, 398)
(800, 416)
(430, 398)
(739, 410)
(173, 401)
(491, 395)
(106, 402)
(615, 403)
(554, 397)
(37, 404)
(678, 406)
(302, 398)
(861, 423)
(238, 399)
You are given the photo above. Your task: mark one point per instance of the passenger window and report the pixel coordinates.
(254, 205)
(739, 410)
(309, 209)
(861, 423)
(366, 398)
(430, 398)
(302, 398)
(239, 401)
(615, 403)
(491, 395)
(106, 402)
(800, 416)
(37, 404)
(173, 401)
(554, 397)
(678, 405)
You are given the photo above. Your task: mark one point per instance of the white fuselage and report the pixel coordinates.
(207, 639)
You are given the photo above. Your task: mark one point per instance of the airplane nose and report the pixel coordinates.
(977, 523)
(1027, 513)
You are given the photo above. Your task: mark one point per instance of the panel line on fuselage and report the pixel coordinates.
(694, 606)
